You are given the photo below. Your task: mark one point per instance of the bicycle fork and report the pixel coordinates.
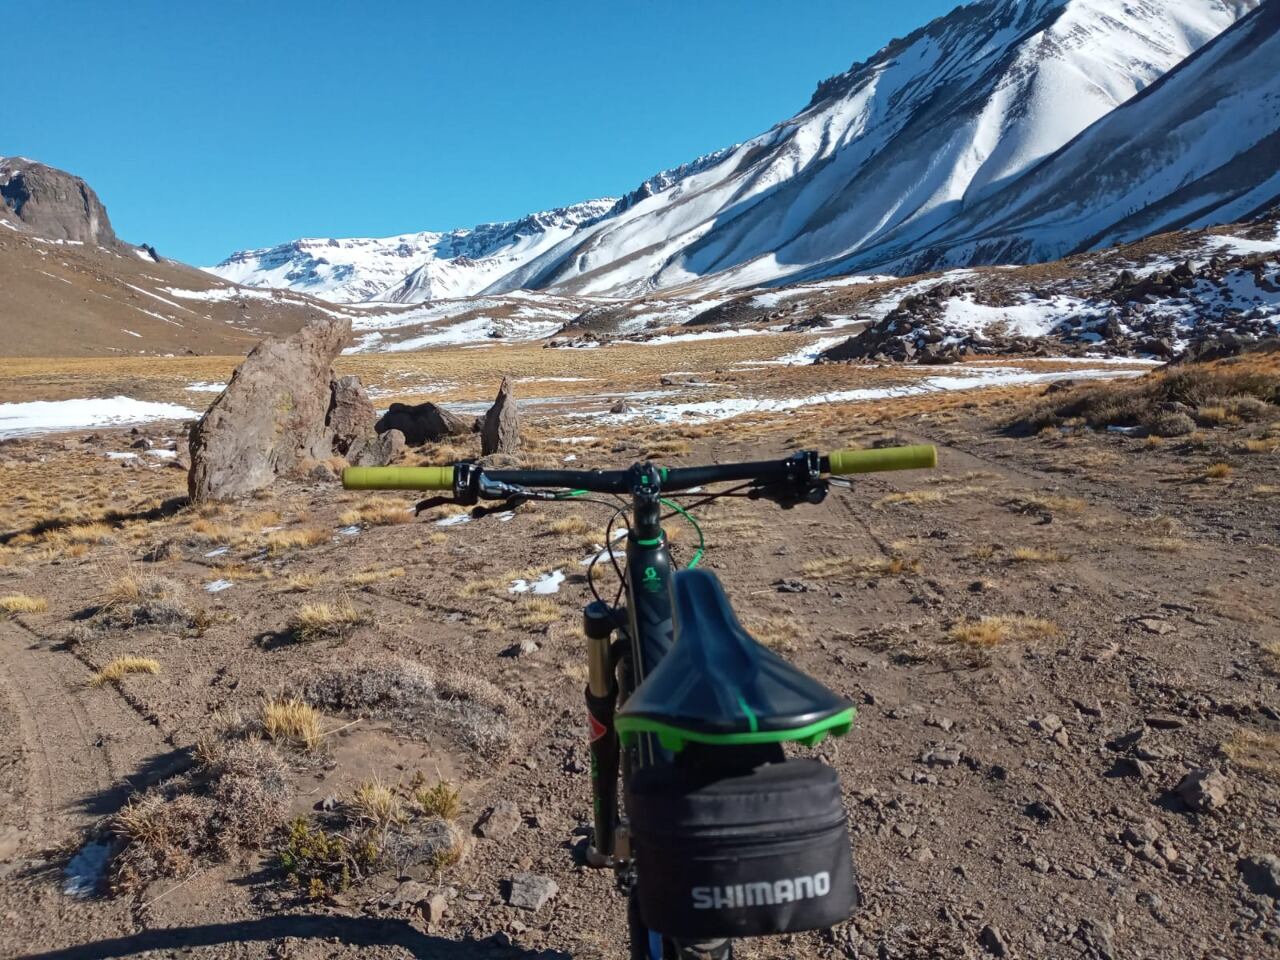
(602, 701)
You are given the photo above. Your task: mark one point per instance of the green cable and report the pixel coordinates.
(702, 541)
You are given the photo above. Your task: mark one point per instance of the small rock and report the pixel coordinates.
(992, 941)
(1204, 789)
(434, 908)
(1163, 721)
(409, 893)
(530, 891)
(501, 430)
(1131, 767)
(1091, 708)
(499, 821)
(1039, 810)
(1050, 723)
(791, 586)
(1261, 874)
(922, 855)
(941, 757)
(1041, 865)
(1158, 627)
(322, 472)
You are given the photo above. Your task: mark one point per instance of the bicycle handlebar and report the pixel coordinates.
(837, 463)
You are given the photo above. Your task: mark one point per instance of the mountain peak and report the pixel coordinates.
(52, 203)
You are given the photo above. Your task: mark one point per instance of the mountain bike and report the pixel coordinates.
(719, 835)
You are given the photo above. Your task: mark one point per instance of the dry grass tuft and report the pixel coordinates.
(1163, 545)
(1034, 555)
(301, 582)
(281, 541)
(776, 633)
(120, 667)
(319, 621)
(377, 513)
(443, 800)
(914, 498)
(829, 568)
(1047, 502)
(292, 722)
(1266, 490)
(536, 612)
(21, 603)
(570, 526)
(1255, 751)
(372, 575)
(1217, 471)
(993, 631)
(377, 804)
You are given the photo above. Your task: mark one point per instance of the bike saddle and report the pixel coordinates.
(718, 685)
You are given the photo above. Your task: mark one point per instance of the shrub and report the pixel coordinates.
(322, 862)
(1169, 423)
(21, 603)
(120, 667)
(318, 621)
(292, 722)
(993, 631)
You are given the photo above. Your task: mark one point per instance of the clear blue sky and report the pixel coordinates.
(212, 126)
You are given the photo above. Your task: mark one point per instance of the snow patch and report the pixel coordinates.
(49, 416)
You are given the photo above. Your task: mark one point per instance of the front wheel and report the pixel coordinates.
(647, 944)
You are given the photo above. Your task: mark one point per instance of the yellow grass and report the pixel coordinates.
(776, 633)
(377, 513)
(301, 582)
(377, 803)
(366, 577)
(1163, 545)
(1255, 751)
(21, 603)
(1266, 490)
(120, 667)
(1217, 471)
(538, 612)
(443, 800)
(1033, 555)
(315, 621)
(913, 498)
(280, 541)
(833, 567)
(993, 631)
(292, 722)
(570, 525)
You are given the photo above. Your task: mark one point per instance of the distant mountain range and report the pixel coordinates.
(1007, 130)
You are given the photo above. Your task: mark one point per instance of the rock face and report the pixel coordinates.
(53, 203)
(273, 416)
(377, 451)
(501, 431)
(351, 414)
(422, 423)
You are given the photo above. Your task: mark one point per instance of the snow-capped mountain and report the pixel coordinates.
(1199, 147)
(889, 152)
(412, 267)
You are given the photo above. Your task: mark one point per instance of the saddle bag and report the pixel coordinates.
(757, 853)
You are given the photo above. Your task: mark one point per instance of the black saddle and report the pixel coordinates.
(718, 685)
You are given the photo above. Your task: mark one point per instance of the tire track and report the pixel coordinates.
(78, 744)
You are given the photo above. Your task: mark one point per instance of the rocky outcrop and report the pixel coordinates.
(273, 417)
(53, 204)
(422, 423)
(501, 430)
(351, 414)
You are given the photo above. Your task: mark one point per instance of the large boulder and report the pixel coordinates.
(422, 423)
(272, 417)
(501, 430)
(351, 414)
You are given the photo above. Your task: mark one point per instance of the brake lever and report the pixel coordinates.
(432, 502)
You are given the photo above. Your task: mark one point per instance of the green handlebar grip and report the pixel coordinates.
(919, 457)
(398, 478)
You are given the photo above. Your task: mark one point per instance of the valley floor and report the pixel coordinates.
(1043, 636)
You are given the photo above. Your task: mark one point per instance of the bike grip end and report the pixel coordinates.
(920, 457)
(397, 478)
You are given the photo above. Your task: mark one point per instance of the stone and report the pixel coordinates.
(499, 821)
(434, 908)
(1050, 723)
(351, 414)
(941, 757)
(1204, 789)
(378, 451)
(409, 893)
(992, 940)
(271, 418)
(620, 407)
(422, 423)
(501, 431)
(1163, 721)
(1261, 874)
(530, 891)
(322, 472)
(1152, 625)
